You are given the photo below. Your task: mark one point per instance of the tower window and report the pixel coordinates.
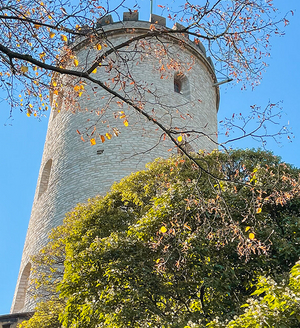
(177, 85)
(45, 177)
(181, 84)
(22, 288)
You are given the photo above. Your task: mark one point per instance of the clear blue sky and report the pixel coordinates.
(22, 140)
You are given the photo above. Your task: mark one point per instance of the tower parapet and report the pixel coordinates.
(182, 97)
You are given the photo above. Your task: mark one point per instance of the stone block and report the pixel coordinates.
(155, 19)
(131, 16)
(106, 20)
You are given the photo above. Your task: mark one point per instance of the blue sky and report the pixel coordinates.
(22, 140)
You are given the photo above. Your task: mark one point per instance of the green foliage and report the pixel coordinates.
(279, 307)
(173, 246)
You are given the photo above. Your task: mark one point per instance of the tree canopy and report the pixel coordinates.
(173, 246)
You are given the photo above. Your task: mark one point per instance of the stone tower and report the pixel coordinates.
(72, 171)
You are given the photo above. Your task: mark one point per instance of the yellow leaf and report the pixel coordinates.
(95, 70)
(125, 122)
(163, 229)
(93, 142)
(179, 138)
(247, 228)
(102, 137)
(34, 68)
(108, 136)
(64, 38)
(80, 94)
(251, 236)
(29, 112)
(51, 34)
(42, 54)
(75, 62)
(24, 69)
(77, 88)
(98, 46)
(54, 83)
(55, 92)
(258, 210)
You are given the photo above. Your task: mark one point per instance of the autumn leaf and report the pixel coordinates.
(75, 62)
(108, 136)
(258, 210)
(179, 138)
(247, 228)
(98, 46)
(24, 69)
(116, 132)
(102, 137)
(64, 38)
(94, 71)
(125, 122)
(51, 34)
(54, 83)
(163, 229)
(251, 236)
(93, 142)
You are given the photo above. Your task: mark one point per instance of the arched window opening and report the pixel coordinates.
(22, 289)
(45, 177)
(181, 84)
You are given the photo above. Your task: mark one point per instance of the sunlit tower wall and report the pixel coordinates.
(172, 80)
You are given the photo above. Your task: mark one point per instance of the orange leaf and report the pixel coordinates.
(258, 210)
(51, 34)
(75, 62)
(64, 38)
(98, 46)
(108, 135)
(93, 142)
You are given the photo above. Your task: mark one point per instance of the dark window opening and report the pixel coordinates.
(181, 85)
(177, 85)
(6, 325)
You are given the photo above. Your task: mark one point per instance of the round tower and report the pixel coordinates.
(168, 77)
